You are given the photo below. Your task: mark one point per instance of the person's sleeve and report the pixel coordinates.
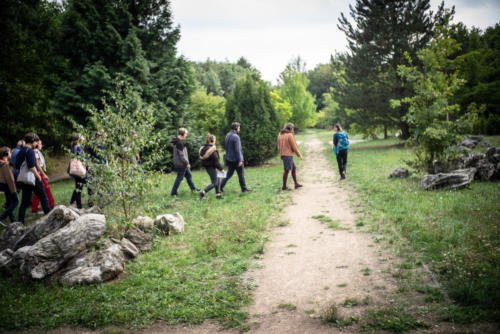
(218, 165)
(11, 182)
(240, 150)
(31, 159)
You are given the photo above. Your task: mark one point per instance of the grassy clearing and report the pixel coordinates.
(456, 232)
(185, 279)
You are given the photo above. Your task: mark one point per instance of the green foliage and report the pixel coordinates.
(396, 320)
(251, 106)
(207, 111)
(321, 79)
(478, 62)
(332, 316)
(116, 178)
(330, 114)
(378, 37)
(219, 78)
(282, 108)
(294, 91)
(28, 60)
(437, 125)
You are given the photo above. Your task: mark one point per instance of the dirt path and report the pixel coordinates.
(308, 266)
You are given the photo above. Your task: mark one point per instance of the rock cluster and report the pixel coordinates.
(59, 245)
(462, 171)
(399, 172)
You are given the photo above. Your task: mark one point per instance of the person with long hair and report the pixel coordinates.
(77, 150)
(287, 146)
(340, 147)
(210, 160)
(27, 155)
(8, 186)
(181, 162)
(42, 166)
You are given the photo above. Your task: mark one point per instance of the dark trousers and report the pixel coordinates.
(28, 191)
(11, 202)
(212, 172)
(231, 167)
(76, 197)
(182, 173)
(342, 161)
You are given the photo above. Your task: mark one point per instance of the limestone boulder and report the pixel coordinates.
(58, 217)
(485, 170)
(95, 267)
(493, 155)
(50, 253)
(472, 159)
(11, 234)
(454, 180)
(128, 248)
(142, 240)
(145, 223)
(170, 223)
(471, 141)
(399, 173)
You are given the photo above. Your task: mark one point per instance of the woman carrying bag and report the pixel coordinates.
(29, 178)
(340, 147)
(77, 170)
(210, 160)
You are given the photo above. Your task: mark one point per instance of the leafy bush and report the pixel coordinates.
(250, 105)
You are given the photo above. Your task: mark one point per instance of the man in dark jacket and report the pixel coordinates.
(28, 154)
(234, 157)
(181, 162)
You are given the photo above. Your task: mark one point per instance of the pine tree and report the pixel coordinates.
(250, 105)
(383, 30)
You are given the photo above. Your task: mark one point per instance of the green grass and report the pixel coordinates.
(392, 319)
(287, 306)
(185, 279)
(456, 232)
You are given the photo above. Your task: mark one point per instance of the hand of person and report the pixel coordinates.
(189, 166)
(240, 163)
(300, 157)
(222, 171)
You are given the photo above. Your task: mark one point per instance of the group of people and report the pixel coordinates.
(27, 158)
(23, 170)
(233, 159)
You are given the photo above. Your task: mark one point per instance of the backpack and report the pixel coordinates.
(343, 142)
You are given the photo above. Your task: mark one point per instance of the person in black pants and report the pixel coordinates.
(234, 157)
(341, 147)
(77, 149)
(210, 160)
(27, 153)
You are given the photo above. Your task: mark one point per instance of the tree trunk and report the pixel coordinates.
(385, 131)
(405, 131)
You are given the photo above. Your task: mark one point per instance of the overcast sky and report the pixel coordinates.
(269, 33)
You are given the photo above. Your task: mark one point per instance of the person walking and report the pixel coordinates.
(234, 157)
(287, 146)
(26, 154)
(210, 160)
(181, 162)
(8, 186)
(80, 181)
(42, 167)
(340, 147)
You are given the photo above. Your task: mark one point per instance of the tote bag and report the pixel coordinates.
(76, 168)
(25, 175)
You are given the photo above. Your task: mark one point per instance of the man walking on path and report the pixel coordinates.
(234, 157)
(287, 146)
(181, 162)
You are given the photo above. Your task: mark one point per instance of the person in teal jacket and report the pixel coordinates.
(341, 147)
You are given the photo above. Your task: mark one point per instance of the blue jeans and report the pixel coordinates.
(231, 167)
(181, 173)
(11, 202)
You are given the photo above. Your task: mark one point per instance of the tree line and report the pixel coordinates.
(61, 61)
(357, 87)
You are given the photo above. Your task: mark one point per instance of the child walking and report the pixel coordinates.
(210, 160)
